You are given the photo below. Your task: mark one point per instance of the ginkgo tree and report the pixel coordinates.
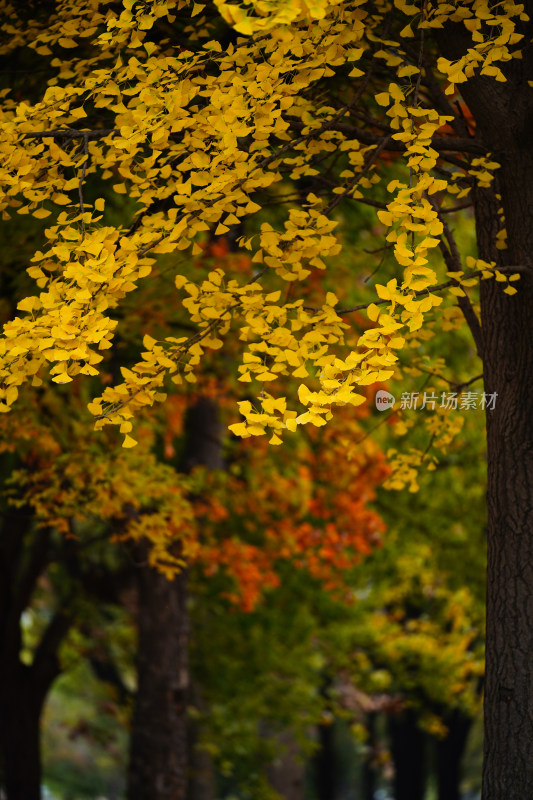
(204, 114)
(65, 495)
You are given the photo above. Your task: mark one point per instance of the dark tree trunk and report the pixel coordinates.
(23, 688)
(159, 728)
(368, 776)
(408, 749)
(449, 754)
(20, 713)
(158, 767)
(23, 691)
(326, 767)
(508, 373)
(504, 117)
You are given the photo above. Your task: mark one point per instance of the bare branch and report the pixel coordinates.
(372, 156)
(420, 293)
(452, 258)
(70, 133)
(443, 144)
(80, 185)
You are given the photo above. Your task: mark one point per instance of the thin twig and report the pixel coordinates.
(420, 57)
(452, 258)
(70, 133)
(443, 144)
(356, 178)
(458, 207)
(438, 288)
(458, 385)
(81, 181)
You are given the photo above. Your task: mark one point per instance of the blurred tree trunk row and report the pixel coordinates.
(159, 736)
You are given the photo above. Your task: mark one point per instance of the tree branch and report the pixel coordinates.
(443, 144)
(38, 558)
(452, 259)
(420, 293)
(45, 666)
(70, 133)
(81, 182)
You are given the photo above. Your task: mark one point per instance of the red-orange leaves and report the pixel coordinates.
(315, 517)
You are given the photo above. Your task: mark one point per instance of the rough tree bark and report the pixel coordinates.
(159, 729)
(508, 372)
(504, 119)
(158, 768)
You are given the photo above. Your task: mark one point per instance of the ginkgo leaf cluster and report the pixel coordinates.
(200, 131)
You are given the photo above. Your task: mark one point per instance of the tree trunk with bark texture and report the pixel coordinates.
(158, 767)
(504, 118)
(508, 371)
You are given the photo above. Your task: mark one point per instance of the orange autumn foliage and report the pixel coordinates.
(317, 517)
